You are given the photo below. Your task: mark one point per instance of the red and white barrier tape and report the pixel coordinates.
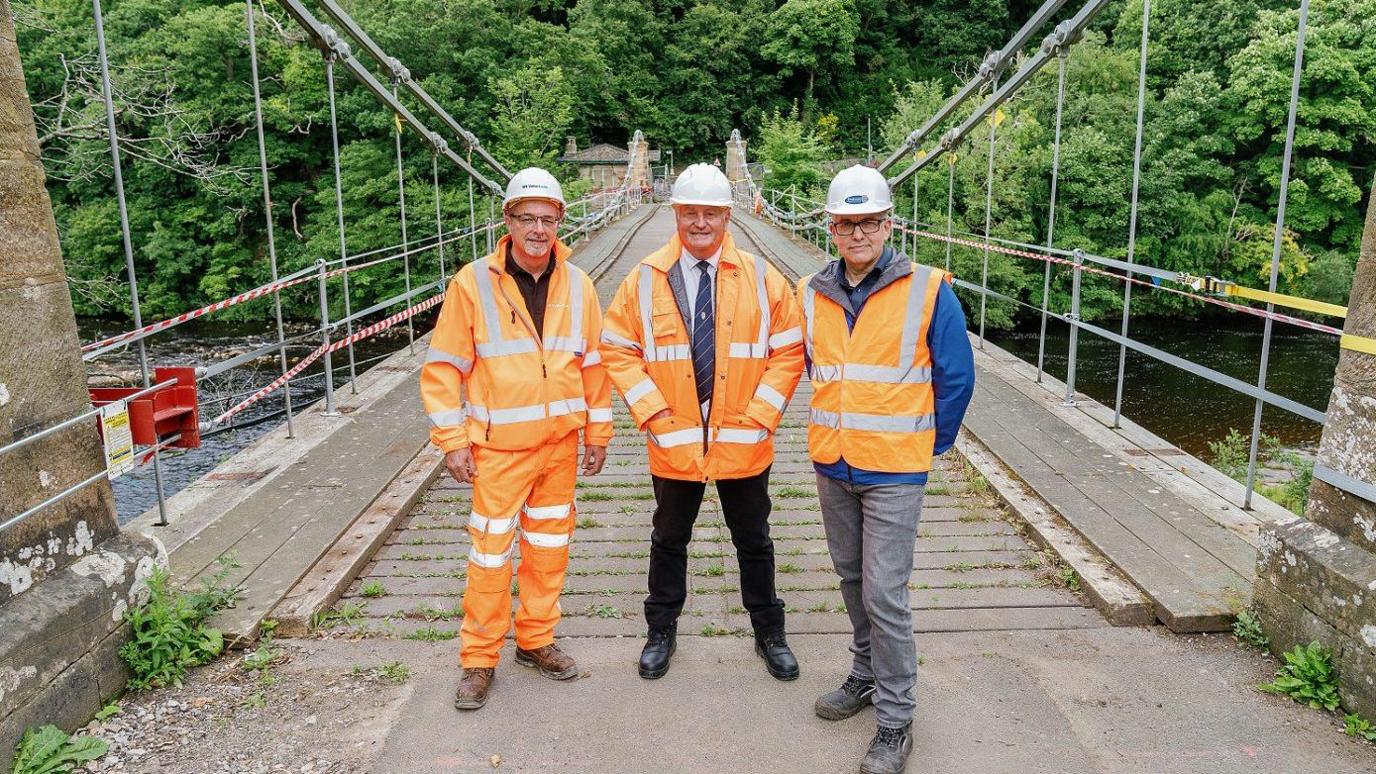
(257, 292)
(357, 335)
(1243, 308)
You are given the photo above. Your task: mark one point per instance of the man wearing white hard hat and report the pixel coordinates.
(513, 373)
(704, 344)
(892, 374)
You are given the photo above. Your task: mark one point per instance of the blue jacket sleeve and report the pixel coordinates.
(953, 367)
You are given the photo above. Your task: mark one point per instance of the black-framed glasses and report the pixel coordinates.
(847, 227)
(527, 221)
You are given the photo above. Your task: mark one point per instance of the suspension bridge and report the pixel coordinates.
(1069, 559)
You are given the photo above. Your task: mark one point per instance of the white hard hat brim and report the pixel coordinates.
(857, 209)
(701, 202)
(509, 203)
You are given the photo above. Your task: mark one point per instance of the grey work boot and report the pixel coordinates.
(854, 695)
(889, 751)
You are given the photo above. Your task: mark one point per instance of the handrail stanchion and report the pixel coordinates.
(1132, 215)
(325, 339)
(1051, 208)
(397, 72)
(1073, 318)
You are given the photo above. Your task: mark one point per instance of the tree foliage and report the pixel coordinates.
(522, 74)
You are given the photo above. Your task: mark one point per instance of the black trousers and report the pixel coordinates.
(745, 505)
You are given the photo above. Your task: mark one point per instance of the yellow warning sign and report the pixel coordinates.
(119, 440)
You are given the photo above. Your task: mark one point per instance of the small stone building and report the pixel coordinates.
(603, 163)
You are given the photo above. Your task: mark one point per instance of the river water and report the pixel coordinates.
(1186, 410)
(204, 342)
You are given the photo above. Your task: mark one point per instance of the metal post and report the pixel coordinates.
(108, 94)
(988, 217)
(1073, 318)
(267, 211)
(491, 224)
(1132, 217)
(439, 222)
(950, 201)
(1276, 243)
(1051, 208)
(405, 241)
(912, 225)
(472, 217)
(339, 213)
(325, 338)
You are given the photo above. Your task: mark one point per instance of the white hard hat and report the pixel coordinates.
(858, 190)
(533, 183)
(702, 184)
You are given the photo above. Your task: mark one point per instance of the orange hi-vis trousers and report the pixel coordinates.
(532, 489)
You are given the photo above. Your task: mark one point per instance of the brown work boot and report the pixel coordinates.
(552, 662)
(473, 688)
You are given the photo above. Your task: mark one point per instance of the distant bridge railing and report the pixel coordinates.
(446, 247)
(806, 219)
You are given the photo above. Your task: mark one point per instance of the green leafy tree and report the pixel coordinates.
(534, 107)
(791, 153)
(808, 36)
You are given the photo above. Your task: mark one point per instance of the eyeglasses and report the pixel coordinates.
(527, 221)
(847, 227)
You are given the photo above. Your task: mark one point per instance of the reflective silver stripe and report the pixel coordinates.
(825, 373)
(491, 526)
(490, 561)
(618, 341)
(592, 358)
(912, 320)
(574, 277)
(600, 415)
(784, 338)
(436, 355)
(507, 416)
(672, 352)
(770, 395)
(496, 344)
(567, 406)
(860, 372)
(762, 295)
(542, 540)
(647, 331)
(677, 437)
(740, 435)
(875, 422)
(506, 347)
(574, 344)
(450, 418)
(639, 391)
(547, 512)
(809, 310)
(752, 349)
(487, 298)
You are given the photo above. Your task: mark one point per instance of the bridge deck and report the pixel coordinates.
(973, 570)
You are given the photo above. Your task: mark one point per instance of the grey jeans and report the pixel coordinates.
(871, 531)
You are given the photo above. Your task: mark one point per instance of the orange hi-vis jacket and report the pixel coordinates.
(872, 399)
(759, 360)
(523, 391)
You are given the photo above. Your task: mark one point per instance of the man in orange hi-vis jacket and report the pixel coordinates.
(518, 333)
(704, 343)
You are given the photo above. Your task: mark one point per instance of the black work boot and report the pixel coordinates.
(853, 695)
(659, 648)
(778, 659)
(889, 751)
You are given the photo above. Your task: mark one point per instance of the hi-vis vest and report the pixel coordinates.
(759, 360)
(522, 390)
(872, 399)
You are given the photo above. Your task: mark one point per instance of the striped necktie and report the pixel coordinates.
(704, 335)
